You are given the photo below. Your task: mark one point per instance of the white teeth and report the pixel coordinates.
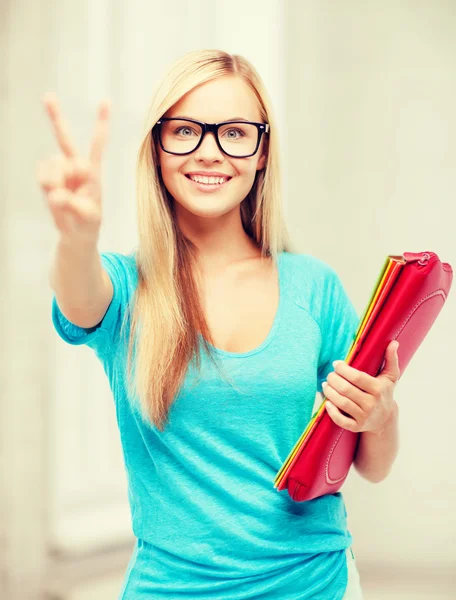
(213, 180)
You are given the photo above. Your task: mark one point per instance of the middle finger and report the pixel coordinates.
(346, 388)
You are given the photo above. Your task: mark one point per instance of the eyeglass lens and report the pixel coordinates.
(237, 139)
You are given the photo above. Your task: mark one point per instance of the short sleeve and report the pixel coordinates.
(103, 337)
(339, 324)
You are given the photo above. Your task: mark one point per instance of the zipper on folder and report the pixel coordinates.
(424, 259)
(421, 257)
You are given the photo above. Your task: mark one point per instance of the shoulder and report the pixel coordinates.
(306, 269)
(118, 259)
(122, 268)
(312, 283)
(316, 287)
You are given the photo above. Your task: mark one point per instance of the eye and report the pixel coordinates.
(234, 129)
(186, 128)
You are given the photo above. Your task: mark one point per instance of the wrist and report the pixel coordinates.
(86, 244)
(390, 422)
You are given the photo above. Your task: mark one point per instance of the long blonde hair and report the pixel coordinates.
(166, 311)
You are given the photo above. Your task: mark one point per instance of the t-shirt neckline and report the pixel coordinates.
(274, 326)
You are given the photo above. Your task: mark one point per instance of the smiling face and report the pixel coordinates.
(225, 99)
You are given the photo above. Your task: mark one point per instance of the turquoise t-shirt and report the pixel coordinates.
(209, 522)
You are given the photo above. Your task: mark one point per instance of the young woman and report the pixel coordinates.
(215, 337)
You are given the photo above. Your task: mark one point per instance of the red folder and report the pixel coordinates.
(409, 294)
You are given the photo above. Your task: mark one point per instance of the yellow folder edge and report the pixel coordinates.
(378, 287)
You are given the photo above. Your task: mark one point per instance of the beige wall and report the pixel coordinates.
(371, 125)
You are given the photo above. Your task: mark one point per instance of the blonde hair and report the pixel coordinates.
(166, 312)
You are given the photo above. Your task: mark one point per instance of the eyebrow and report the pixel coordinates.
(191, 118)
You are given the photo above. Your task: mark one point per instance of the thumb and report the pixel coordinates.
(391, 369)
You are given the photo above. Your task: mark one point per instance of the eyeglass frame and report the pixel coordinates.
(263, 128)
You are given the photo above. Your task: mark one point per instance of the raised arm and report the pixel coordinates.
(72, 187)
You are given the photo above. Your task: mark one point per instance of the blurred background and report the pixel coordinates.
(364, 93)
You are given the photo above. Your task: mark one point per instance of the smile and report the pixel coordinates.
(208, 187)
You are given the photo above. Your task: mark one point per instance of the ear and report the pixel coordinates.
(261, 162)
(264, 156)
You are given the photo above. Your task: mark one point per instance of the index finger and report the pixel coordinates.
(101, 133)
(59, 126)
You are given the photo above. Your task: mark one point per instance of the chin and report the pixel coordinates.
(207, 208)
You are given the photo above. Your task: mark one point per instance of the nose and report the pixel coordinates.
(209, 149)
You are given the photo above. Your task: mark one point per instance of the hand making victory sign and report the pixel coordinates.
(367, 400)
(71, 182)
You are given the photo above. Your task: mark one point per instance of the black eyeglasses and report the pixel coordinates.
(239, 139)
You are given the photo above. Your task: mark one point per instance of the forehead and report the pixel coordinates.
(218, 100)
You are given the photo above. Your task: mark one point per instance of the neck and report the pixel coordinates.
(221, 241)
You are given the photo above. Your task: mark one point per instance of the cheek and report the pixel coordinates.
(250, 175)
(170, 170)
(246, 168)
